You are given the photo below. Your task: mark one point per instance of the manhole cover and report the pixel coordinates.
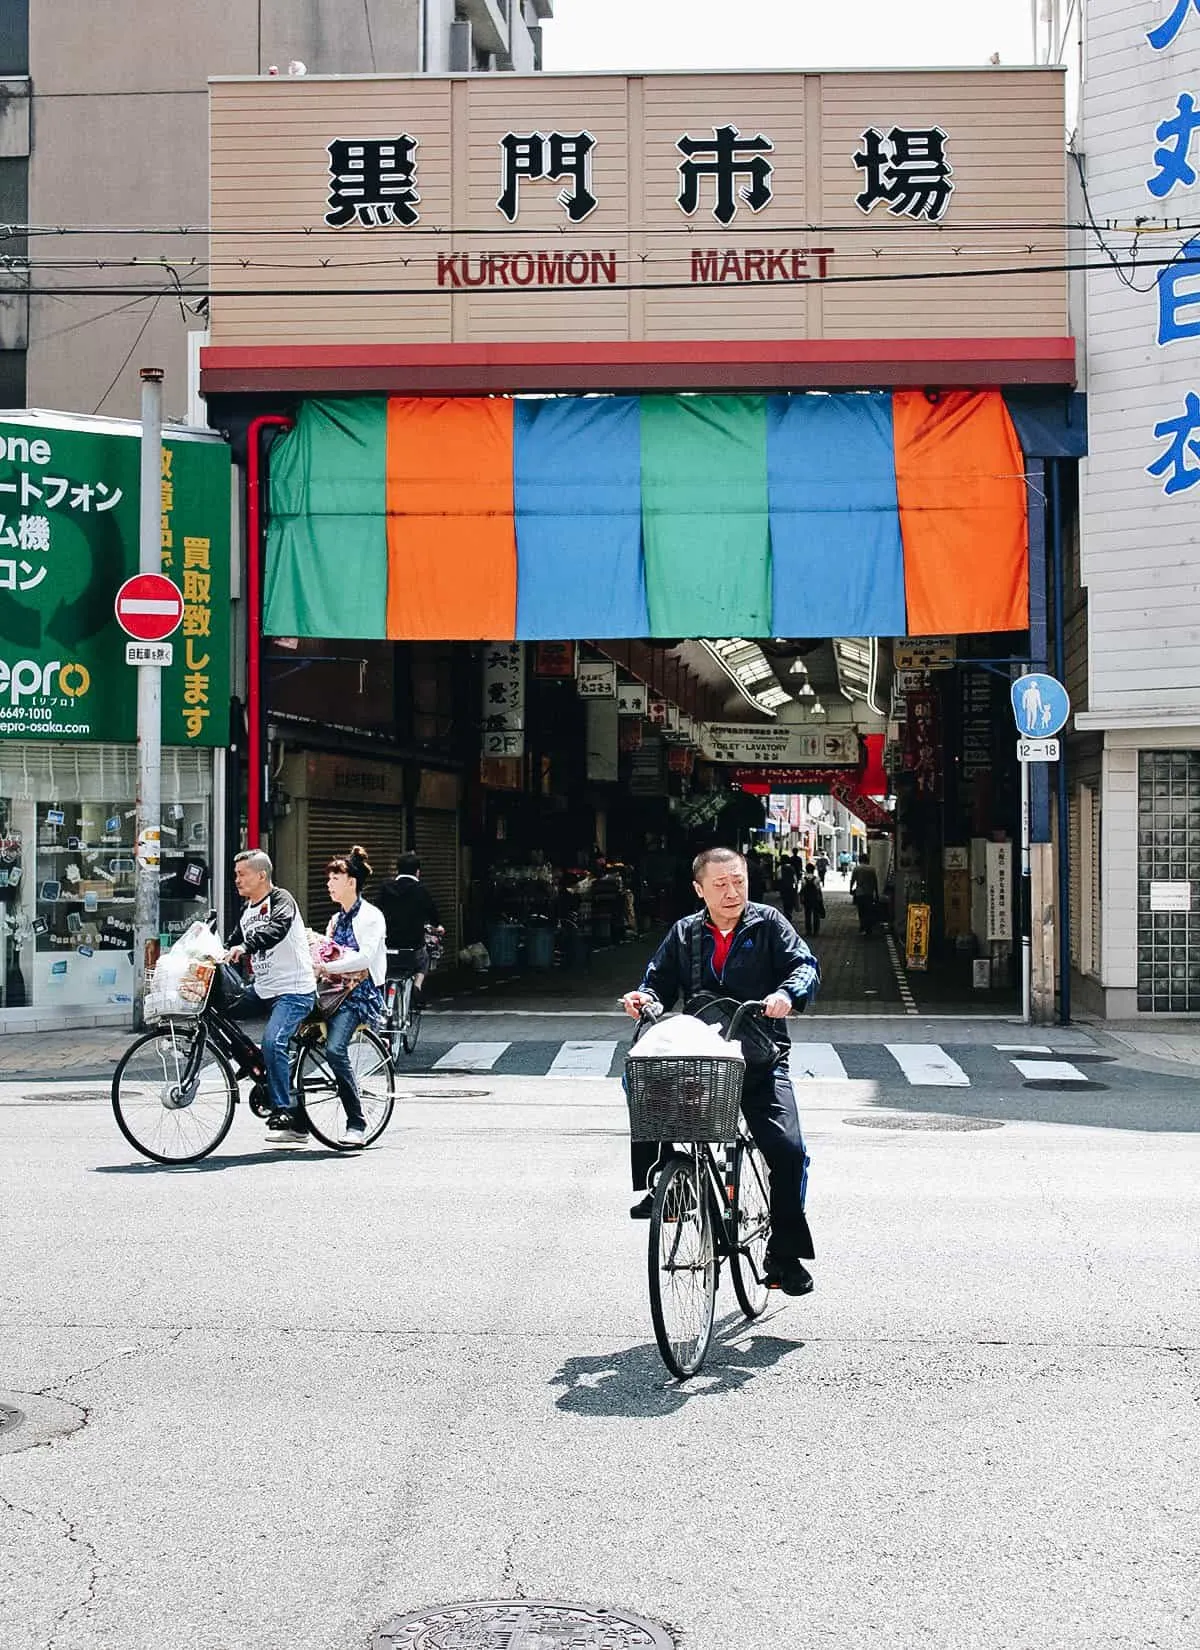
(76, 1098)
(28, 1419)
(444, 1094)
(9, 1417)
(539, 1624)
(960, 1125)
(1064, 1085)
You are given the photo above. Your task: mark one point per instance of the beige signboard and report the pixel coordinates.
(501, 208)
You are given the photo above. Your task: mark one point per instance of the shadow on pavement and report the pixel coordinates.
(635, 1383)
(208, 1165)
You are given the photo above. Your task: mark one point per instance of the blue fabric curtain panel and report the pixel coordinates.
(837, 556)
(578, 494)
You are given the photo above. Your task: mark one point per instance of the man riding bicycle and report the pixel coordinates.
(744, 951)
(284, 987)
(408, 909)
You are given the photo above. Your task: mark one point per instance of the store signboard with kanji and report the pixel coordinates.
(69, 506)
(638, 207)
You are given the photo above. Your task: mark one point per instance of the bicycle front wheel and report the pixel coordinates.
(173, 1095)
(751, 1228)
(317, 1088)
(682, 1265)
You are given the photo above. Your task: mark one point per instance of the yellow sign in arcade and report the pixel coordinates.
(916, 938)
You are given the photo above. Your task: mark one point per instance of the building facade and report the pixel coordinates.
(1135, 757)
(104, 131)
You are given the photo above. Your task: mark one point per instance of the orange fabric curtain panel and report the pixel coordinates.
(451, 538)
(960, 481)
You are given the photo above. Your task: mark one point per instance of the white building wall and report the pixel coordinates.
(1140, 544)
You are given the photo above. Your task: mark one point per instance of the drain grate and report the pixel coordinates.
(495, 1624)
(10, 1418)
(1064, 1085)
(947, 1125)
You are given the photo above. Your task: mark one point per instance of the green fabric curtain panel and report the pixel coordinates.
(705, 516)
(327, 573)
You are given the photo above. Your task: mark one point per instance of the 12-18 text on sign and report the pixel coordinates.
(1037, 750)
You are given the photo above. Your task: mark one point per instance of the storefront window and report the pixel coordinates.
(1168, 943)
(67, 850)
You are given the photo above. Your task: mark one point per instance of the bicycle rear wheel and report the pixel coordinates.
(682, 1265)
(412, 1018)
(752, 1228)
(173, 1099)
(317, 1088)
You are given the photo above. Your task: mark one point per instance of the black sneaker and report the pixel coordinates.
(286, 1128)
(641, 1209)
(790, 1276)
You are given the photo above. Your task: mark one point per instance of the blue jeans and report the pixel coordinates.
(339, 1029)
(284, 1015)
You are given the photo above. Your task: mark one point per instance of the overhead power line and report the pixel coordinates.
(116, 290)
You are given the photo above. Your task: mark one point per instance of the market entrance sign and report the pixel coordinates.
(497, 205)
(69, 511)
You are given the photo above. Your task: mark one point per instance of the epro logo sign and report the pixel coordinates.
(27, 678)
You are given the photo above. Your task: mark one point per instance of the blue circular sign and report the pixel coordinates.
(1041, 706)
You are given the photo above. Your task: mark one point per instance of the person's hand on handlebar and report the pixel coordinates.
(633, 1002)
(777, 1006)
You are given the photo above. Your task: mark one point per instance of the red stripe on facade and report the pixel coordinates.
(464, 369)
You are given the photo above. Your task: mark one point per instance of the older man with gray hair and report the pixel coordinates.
(284, 987)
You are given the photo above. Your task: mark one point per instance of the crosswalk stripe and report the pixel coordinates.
(815, 1060)
(471, 1057)
(583, 1059)
(1023, 1048)
(1059, 1071)
(927, 1065)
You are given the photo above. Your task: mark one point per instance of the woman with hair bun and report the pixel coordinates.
(357, 928)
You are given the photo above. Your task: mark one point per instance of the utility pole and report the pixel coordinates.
(149, 706)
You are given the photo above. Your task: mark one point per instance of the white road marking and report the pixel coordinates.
(1023, 1048)
(927, 1065)
(583, 1059)
(1059, 1071)
(471, 1057)
(902, 985)
(814, 1060)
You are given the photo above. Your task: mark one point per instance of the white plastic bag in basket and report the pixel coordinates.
(684, 1037)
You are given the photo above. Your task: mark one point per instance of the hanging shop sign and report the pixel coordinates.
(503, 699)
(633, 699)
(69, 508)
(531, 187)
(999, 890)
(596, 679)
(748, 742)
(924, 652)
(798, 781)
(554, 659)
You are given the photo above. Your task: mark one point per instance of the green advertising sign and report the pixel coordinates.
(68, 541)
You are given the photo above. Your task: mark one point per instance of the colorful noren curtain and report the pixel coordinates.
(493, 518)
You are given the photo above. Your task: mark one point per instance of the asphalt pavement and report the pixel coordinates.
(310, 1392)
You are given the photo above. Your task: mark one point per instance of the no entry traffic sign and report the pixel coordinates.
(148, 607)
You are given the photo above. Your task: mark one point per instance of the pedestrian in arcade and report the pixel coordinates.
(358, 930)
(864, 891)
(822, 865)
(813, 901)
(789, 889)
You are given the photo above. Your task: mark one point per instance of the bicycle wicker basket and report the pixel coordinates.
(180, 999)
(683, 1097)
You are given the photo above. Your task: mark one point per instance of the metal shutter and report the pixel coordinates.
(436, 841)
(334, 828)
